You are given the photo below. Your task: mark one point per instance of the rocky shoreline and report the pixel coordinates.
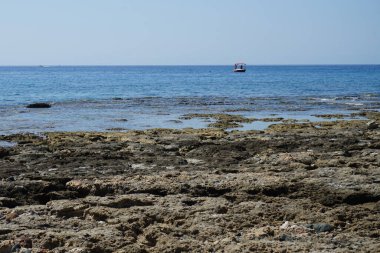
(295, 187)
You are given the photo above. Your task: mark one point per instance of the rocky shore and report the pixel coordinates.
(295, 187)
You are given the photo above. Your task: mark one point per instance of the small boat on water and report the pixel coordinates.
(240, 67)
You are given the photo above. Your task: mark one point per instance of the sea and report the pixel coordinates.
(123, 98)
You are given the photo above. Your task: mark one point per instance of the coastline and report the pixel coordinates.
(309, 186)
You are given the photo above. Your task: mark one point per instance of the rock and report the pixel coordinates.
(121, 120)
(263, 232)
(16, 248)
(372, 125)
(6, 246)
(284, 237)
(38, 105)
(25, 242)
(24, 250)
(320, 227)
(78, 250)
(3, 152)
(285, 225)
(4, 231)
(11, 216)
(51, 241)
(8, 202)
(125, 192)
(67, 208)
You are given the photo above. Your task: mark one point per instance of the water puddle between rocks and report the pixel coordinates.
(7, 144)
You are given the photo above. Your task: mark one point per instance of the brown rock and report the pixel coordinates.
(6, 246)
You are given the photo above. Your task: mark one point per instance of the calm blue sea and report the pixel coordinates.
(139, 97)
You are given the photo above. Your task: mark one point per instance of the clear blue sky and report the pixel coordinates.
(167, 32)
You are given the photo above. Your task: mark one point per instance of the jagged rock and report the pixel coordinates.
(133, 192)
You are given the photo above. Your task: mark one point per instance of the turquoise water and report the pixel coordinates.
(139, 97)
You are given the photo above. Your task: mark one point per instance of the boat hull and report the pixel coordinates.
(239, 70)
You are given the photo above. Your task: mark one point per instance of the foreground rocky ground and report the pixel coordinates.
(297, 187)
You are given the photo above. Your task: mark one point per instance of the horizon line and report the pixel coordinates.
(184, 65)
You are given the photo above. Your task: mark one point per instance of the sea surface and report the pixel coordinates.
(107, 98)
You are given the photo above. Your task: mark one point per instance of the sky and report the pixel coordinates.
(196, 32)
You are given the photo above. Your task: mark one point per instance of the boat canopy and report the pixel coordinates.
(240, 65)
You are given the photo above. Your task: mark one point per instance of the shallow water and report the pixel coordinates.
(140, 97)
(7, 144)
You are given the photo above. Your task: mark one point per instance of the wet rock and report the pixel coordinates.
(270, 119)
(121, 120)
(39, 105)
(330, 116)
(116, 129)
(223, 121)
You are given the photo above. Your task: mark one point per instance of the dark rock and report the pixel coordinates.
(8, 202)
(25, 242)
(16, 248)
(3, 152)
(361, 198)
(50, 242)
(320, 227)
(284, 237)
(39, 105)
(11, 179)
(122, 120)
(372, 125)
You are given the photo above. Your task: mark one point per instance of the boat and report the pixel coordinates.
(240, 67)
